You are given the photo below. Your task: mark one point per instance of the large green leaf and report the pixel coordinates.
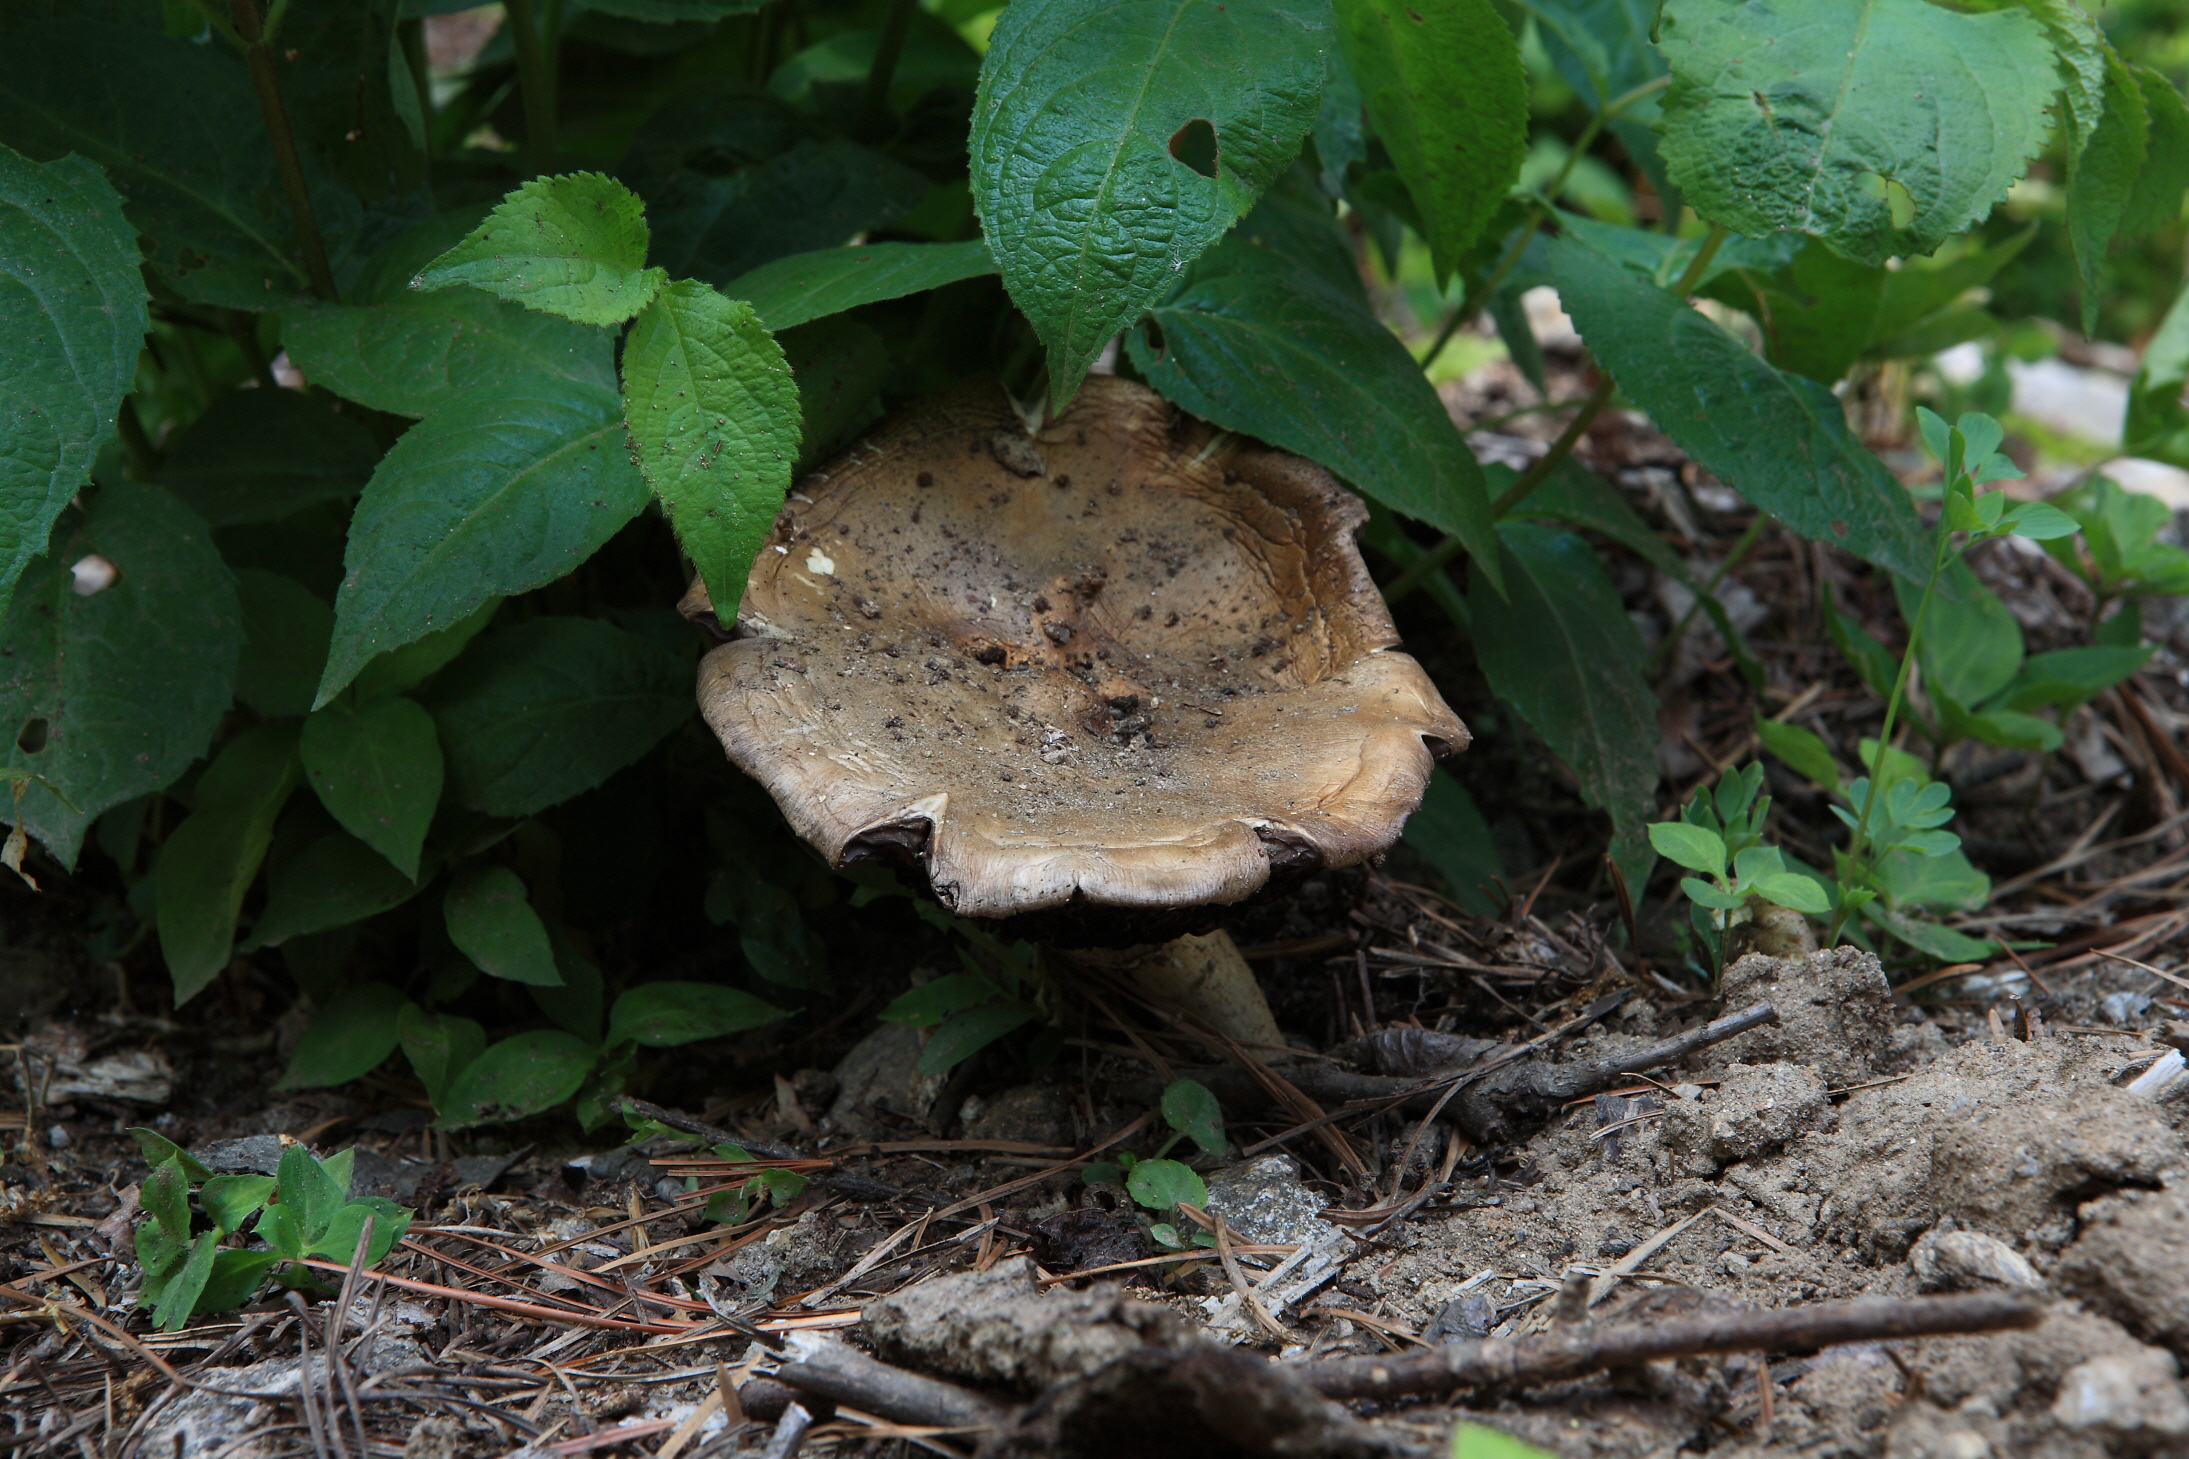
(377, 768)
(285, 631)
(333, 882)
(1779, 440)
(506, 489)
(2102, 169)
(518, 1077)
(344, 83)
(839, 366)
(1090, 119)
(806, 286)
(350, 1035)
(1971, 644)
(1448, 95)
(178, 130)
(262, 455)
(1281, 357)
(72, 318)
(491, 923)
(1883, 127)
(537, 713)
(2156, 198)
(411, 356)
(1558, 646)
(714, 410)
(573, 245)
(127, 684)
(662, 1015)
(209, 862)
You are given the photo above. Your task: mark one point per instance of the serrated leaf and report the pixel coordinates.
(573, 246)
(377, 769)
(2156, 198)
(1450, 831)
(1283, 358)
(179, 132)
(285, 633)
(504, 490)
(1883, 127)
(517, 1077)
(804, 286)
(663, 1015)
(1088, 211)
(1779, 440)
(72, 318)
(2102, 174)
(439, 1046)
(1446, 90)
(411, 356)
(334, 881)
(210, 860)
(1559, 647)
(713, 407)
(534, 714)
(350, 1035)
(492, 923)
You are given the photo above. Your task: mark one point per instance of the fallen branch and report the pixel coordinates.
(1556, 1356)
(855, 1380)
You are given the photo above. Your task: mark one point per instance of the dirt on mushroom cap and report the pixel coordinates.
(1130, 661)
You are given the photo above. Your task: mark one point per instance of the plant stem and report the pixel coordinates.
(1671, 645)
(537, 85)
(259, 56)
(874, 98)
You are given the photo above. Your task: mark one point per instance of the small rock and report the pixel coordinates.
(57, 1138)
(2131, 1263)
(2123, 1010)
(1466, 1318)
(1835, 1012)
(253, 1154)
(1264, 1201)
(1757, 1107)
(1957, 1260)
(435, 1438)
(815, 1088)
(881, 1077)
(1035, 1113)
(2133, 1395)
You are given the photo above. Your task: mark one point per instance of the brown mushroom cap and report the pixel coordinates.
(1128, 663)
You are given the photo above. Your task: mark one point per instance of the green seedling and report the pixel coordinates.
(1720, 835)
(1161, 1184)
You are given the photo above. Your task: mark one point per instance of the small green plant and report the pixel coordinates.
(1720, 834)
(1969, 452)
(1479, 1441)
(2119, 556)
(303, 1211)
(1161, 1184)
(1001, 989)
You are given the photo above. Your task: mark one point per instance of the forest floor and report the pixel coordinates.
(1898, 1130)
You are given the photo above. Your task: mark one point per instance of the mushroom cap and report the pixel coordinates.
(1126, 665)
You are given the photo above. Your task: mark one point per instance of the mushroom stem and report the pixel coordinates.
(1203, 975)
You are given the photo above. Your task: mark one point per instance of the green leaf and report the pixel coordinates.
(1883, 127)
(772, 931)
(1941, 943)
(517, 1077)
(1800, 750)
(346, 1228)
(236, 1275)
(2069, 676)
(966, 1034)
(491, 923)
(262, 455)
(179, 1295)
(1161, 1184)
(1448, 96)
(350, 1035)
(166, 1196)
(713, 407)
(1703, 894)
(839, 366)
(663, 1015)
(230, 1200)
(1084, 144)
(440, 1046)
(402, 669)
(285, 633)
(573, 245)
(1779, 440)
(1191, 1110)
(158, 1149)
(1793, 890)
(1479, 1441)
(334, 881)
(1689, 846)
(311, 1189)
(1287, 360)
(1970, 644)
(2156, 199)
(1948, 880)
(805, 286)
(377, 769)
(935, 1000)
(2101, 174)
(1451, 833)
(209, 861)
(503, 491)
(129, 683)
(179, 132)
(576, 1003)
(1559, 647)
(534, 714)
(2039, 522)
(72, 318)
(411, 356)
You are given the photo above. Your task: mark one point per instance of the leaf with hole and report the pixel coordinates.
(1113, 143)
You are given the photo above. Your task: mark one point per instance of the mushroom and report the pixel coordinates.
(1100, 683)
